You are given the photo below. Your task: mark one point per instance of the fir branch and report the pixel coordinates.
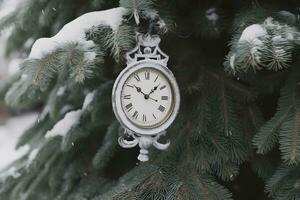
(224, 109)
(42, 71)
(80, 62)
(106, 151)
(294, 137)
(7, 21)
(23, 94)
(282, 122)
(137, 7)
(267, 136)
(289, 140)
(120, 41)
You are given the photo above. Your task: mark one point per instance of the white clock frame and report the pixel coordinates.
(146, 54)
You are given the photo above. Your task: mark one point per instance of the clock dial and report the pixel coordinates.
(147, 98)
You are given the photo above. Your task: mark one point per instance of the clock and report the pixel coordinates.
(145, 96)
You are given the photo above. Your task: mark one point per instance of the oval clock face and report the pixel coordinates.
(147, 98)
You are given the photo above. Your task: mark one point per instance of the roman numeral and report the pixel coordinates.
(147, 75)
(128, 106)
(136, 76)
(144, 118)
(156, 78)
(161, 108)
(162, 87)
(153, 116)
(135, 114)
(128, 96)
(164, 97)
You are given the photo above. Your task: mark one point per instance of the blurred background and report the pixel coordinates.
(12, 123)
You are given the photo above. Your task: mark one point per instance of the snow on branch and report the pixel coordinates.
(70, 120)
(75, 31)
(251, 33)
(268, 46)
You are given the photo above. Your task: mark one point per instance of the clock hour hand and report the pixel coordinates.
(146, 96)
(139, 90)
(155, 88)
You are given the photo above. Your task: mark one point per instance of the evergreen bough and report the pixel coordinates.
(240, 112)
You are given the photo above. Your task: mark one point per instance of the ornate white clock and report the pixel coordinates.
(145, 96)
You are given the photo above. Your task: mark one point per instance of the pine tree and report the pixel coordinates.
(237, 135)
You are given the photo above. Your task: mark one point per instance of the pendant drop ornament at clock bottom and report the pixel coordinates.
(145, 96)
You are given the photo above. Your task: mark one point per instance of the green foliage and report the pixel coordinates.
(221, 117)
(284, 184)
(137, 8)
(120, 41)
(268, 45)
(284, 124)
(110, 144)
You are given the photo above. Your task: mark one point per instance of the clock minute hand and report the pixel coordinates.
(153, 99)
(139, 90)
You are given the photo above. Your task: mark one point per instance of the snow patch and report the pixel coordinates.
(44, 113)
(88, 100)
(9, 136)
(11, 172)
(212, 16)
(29, 43)
(75, 31)
(61, 91)
(231, 61)
(14, 65)
(32, 156)
(62, 127)
(65, 109)
(72, 118)
(252, 33)
(8, 6)
(90, 56)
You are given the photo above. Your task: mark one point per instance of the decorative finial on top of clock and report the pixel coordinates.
(147, 49)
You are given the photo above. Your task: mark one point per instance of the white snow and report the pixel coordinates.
(65, 109)
(8, 6)
(277, 38)
(271, 23)
(61, 90)
(14, 65)
(44, 113)
(136, 17)
(9, 135)
(62, 127)
(90, 56)
(75, 31)
(32, 156)
(212, 16)
(10, 172)
(88, 100)
(29, 42)
(231, 61)
(252, 33)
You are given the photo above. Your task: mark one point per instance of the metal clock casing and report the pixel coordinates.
(116, 99)
(146, 54)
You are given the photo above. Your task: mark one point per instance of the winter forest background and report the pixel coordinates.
(237, 135)
(12, 124)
